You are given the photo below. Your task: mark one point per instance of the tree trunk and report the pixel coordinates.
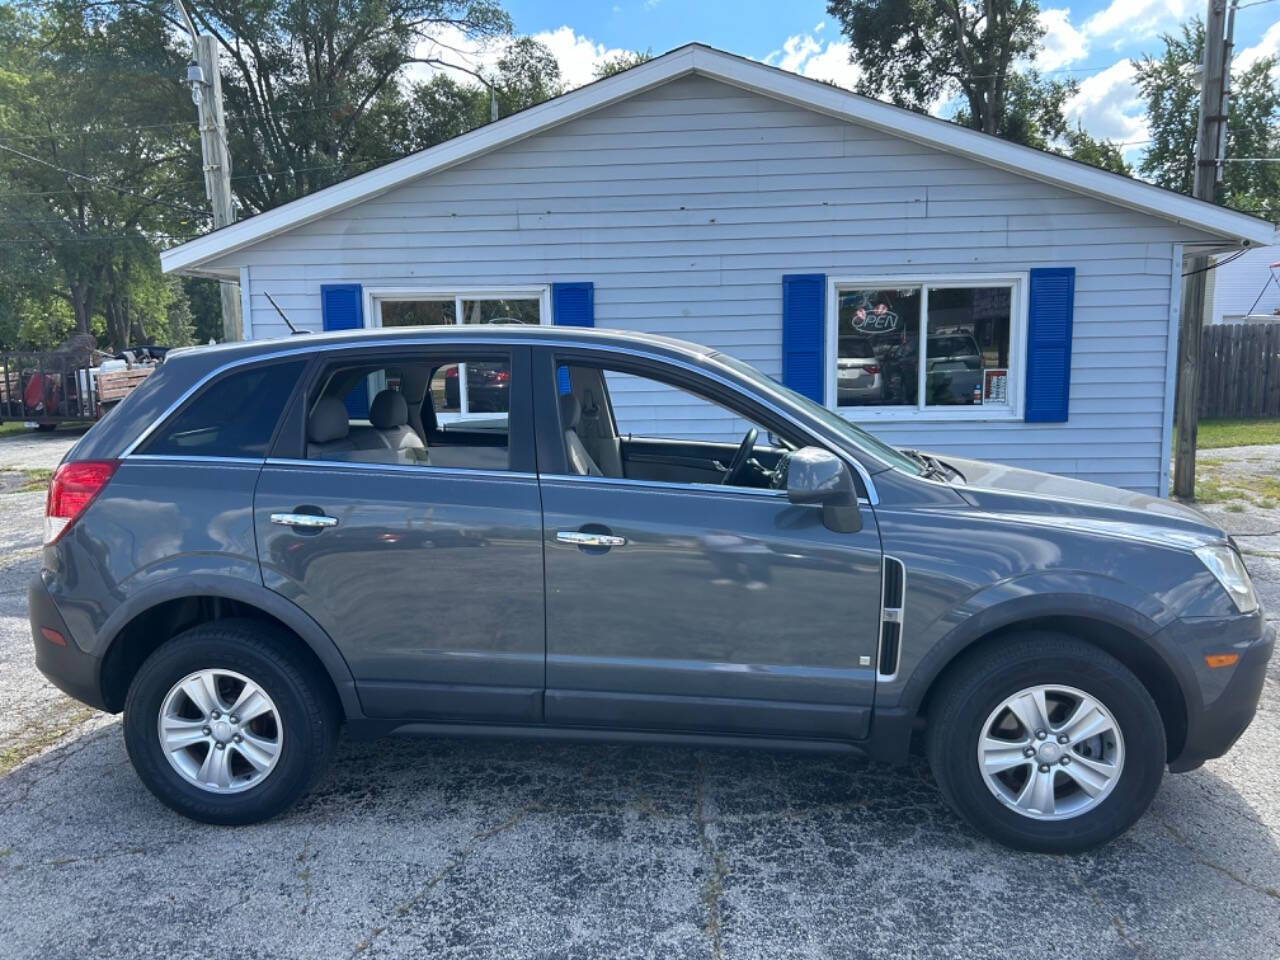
(81, 304)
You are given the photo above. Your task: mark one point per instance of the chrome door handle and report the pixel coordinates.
(310, 520)
(580, 539)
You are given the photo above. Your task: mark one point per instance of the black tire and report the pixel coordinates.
(980, 682)
(46, 427)
(303, 697)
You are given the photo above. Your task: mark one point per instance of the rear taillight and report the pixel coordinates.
(73, 487)
(872, 368)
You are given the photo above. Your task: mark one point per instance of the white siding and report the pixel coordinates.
(687, 204)
(1244, 286)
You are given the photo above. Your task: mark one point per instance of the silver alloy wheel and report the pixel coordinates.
(1051, 752)
(220, 731)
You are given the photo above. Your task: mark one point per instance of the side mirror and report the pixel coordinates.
(818, 477)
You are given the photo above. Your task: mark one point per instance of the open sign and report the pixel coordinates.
(880, 319)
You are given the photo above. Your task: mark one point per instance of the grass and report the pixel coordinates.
(37, 479)
(1259, 490)
(1215, 434)
(40, 739)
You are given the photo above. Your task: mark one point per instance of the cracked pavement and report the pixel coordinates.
(421, 848)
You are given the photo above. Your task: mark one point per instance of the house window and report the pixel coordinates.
(944, 348)
(463, 391)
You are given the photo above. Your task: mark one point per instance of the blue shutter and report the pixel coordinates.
(342, 308)
(573, 304)
(1052, 298)
(804, 327)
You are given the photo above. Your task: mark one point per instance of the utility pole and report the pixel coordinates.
(206, 91)
(1215, 79)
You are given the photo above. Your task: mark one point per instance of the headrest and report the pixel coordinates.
(570, 412)
(389, 410)
(328, 421)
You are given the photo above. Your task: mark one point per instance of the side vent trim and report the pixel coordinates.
(893, 595)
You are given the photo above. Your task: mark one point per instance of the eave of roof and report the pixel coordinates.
(1238, 228)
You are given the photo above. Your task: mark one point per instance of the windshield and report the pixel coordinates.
(838, 424)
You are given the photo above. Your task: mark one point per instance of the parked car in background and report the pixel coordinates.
(953, 369)
(488, 388)
(242, 570)
(858, 376)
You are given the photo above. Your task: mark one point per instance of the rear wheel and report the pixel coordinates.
(1046, 743)
(226, 725)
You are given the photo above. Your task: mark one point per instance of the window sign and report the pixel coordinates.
(966, 332)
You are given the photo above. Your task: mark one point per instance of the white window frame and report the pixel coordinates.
(374, 296)
(1018, 282)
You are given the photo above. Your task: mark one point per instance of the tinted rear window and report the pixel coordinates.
(234, 417)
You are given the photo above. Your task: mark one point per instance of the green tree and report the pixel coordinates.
(914, 52)
(1098, 153)
(621, 62)
(95, 149)
(1172, 94)
(312, 87)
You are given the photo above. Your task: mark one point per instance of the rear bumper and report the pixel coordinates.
(72, 671)
(1222, 705)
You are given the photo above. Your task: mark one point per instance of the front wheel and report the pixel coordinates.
(226, 723)
(1046, 743)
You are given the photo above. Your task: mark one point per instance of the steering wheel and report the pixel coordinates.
(738, 468)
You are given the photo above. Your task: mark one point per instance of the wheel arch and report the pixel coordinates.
(141, 624)
(1120, 632)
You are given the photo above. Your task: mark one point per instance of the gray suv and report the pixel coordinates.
(636, 539)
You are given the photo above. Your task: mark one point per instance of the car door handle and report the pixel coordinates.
(580, 539)
(315, 521)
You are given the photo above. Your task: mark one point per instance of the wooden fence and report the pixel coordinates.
(1240, 370)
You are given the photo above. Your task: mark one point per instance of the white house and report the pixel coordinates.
(820, 235)
(1244, 284)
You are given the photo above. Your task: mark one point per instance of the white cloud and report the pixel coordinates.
(1108, 105)
(1063, 43)
(1267, 46)
(577, 55)
(810, 57)
(1139, 18)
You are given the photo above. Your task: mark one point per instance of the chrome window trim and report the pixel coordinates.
(515, 340)
(666, 485)
(194, 458)
(420, 469)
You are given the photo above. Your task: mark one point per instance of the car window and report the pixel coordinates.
(436, 412)
(621, 423)
(235, 416)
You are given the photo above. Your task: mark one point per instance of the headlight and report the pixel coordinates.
(1225, 564)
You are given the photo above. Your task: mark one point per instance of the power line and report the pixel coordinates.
(1221, 263)
(181, 208)
(244, 176)
(102, 239)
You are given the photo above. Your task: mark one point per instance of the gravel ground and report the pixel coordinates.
(460, 849)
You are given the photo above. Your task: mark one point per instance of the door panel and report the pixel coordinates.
(725, 610)
(430, 583)
(684, 461)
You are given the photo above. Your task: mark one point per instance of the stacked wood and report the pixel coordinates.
(117, 384)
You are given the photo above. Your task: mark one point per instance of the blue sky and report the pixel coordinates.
(1090, 41)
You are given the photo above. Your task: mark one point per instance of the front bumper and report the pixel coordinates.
(72, 671)
(1220, 702)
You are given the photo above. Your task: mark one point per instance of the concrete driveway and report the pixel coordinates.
(458, 849)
